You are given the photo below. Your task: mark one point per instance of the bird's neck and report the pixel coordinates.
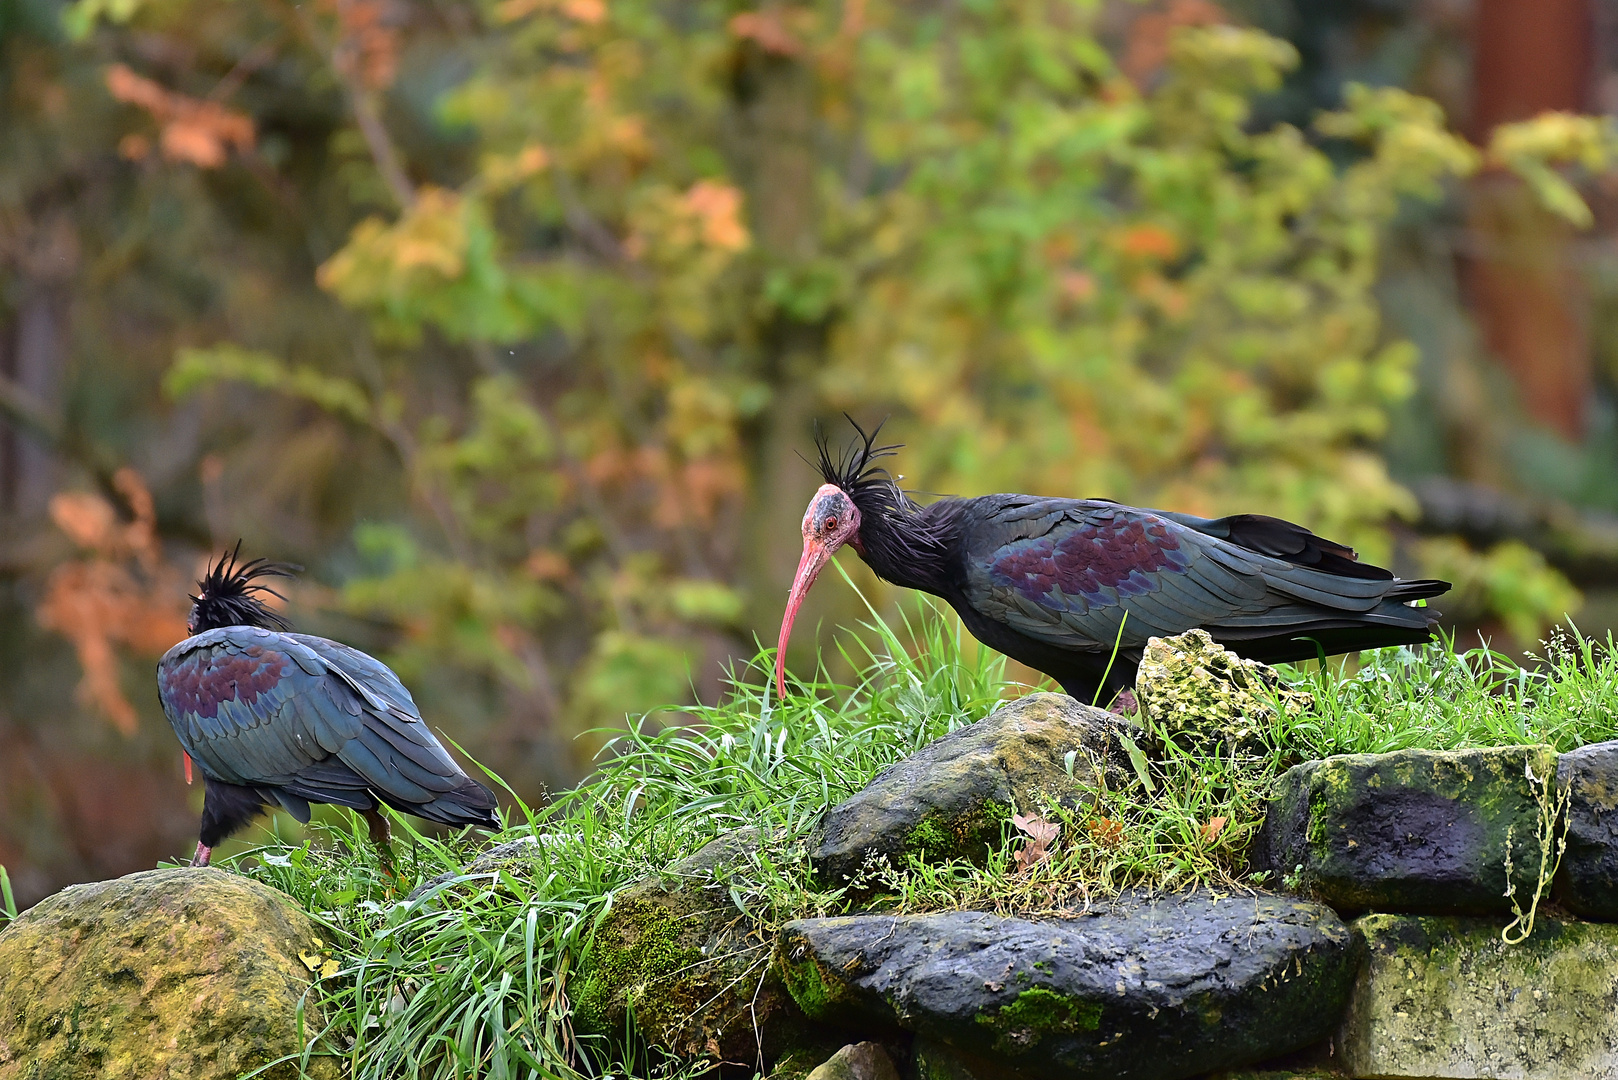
(911, 545)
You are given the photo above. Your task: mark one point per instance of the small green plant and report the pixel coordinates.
(1552, 842)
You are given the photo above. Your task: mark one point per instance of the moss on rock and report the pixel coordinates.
(162, 975)
(691, 969)
(1036, 1013)
(952, 799)
(637, 958)
(1445, 996)
(1158, 987)
(1188, 684)
(1422, 831)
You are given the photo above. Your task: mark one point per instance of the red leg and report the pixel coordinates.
(202, 856)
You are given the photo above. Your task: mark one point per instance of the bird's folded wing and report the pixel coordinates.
(392, 745)
(254, 706)
(1067, 572)
(247, 709)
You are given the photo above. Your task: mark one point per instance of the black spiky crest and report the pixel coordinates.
(227, 594)
(902, 541)
(853, 469)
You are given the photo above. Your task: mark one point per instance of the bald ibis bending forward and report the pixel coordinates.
(1060, 583)
(280, 719)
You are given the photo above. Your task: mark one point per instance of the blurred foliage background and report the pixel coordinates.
(508, 318)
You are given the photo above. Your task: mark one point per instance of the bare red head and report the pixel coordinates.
(831, 521)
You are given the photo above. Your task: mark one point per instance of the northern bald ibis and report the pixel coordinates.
(274, 718)
(1061, 584)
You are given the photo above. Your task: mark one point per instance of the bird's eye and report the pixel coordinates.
(831, 522)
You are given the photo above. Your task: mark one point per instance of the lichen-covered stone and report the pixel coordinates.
(952, 798)
(1446, 997)
(1189, 685)
(1153, 988)
(693, 969)
(164, 975)
(857, 1061)
(1588, 882)
(1419, 831)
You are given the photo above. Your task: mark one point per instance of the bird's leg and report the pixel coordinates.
(204, 853)
(382, 837)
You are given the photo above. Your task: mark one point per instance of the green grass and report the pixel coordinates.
(473, 980)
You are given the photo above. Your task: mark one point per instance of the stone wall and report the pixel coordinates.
(1415, 929)
(1415, 924)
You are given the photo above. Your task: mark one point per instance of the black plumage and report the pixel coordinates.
(1075, 587)
(275, 718)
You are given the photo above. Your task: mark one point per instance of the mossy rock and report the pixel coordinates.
(676, 955)
(1588, 882)
(164, 975)
(1418, 831)
(1149, 987)
(953, 798)
(856, 1061)
(1197, 689)
(1446, 996)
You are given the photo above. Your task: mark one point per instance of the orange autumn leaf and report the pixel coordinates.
(1076, 286)
(88, 520)
(1149, 37)
(1036, 828)
(1105, 831)
(544, 564)
(589, 12)
(1148, 241)
(192, 130)
(119, 596)
(1213, 827)
(368, 48)
(718, 207)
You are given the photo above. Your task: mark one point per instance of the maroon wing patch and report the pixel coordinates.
(206, 678)
(1100, 558)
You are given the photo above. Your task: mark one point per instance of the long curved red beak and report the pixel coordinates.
(815, 557)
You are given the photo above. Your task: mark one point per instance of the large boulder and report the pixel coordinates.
(953, 798)
(675, 953)
(1150, 988)
(164, 975)
(1446, 997)
(1588, 882)
(1420, 831)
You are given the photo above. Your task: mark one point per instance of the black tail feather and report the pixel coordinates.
(469, 804)
(1417, 589)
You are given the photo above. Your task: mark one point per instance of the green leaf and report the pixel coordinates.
(1137, 760)
(194, 369)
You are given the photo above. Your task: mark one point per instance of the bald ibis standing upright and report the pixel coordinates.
(1063, 584)
(274, 718)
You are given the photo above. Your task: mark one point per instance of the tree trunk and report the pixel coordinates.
(1530, 56)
